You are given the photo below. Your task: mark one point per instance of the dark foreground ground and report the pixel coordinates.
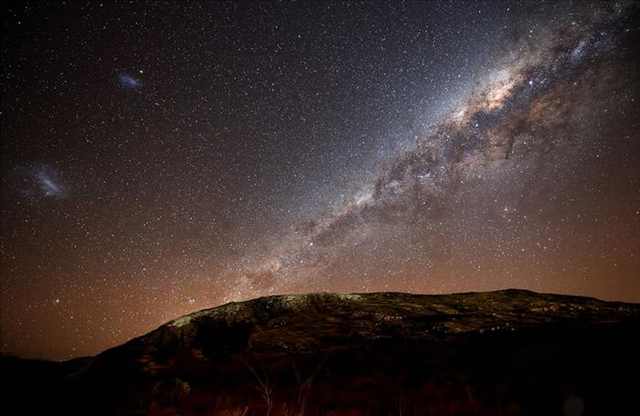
(509, 352)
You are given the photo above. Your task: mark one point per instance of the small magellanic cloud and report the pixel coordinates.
(128, 81)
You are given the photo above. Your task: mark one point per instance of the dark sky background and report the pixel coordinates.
(163, 157)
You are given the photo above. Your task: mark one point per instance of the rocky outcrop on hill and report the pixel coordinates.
(509, 352)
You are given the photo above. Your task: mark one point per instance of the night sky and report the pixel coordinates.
(163, 157)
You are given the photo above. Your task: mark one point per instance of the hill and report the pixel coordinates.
(510, 352)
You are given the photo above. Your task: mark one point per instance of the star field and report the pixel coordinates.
(159, 158)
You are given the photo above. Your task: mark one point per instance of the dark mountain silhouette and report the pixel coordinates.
(510, 352)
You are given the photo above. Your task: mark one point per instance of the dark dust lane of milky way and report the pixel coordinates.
(163, 157)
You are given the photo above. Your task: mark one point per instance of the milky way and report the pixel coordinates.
(163, 158)
(527, 128)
